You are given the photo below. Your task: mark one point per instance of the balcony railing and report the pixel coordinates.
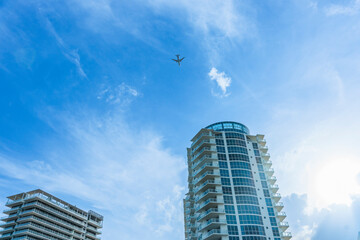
(206, 183)
(214, 200)
(207, 212)
(209, 141)
(211, 172)
(210, 221)
(207, 156)
(208, 134)
(204, 166)
(209, 191)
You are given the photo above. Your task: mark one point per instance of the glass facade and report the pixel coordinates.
(231, 188)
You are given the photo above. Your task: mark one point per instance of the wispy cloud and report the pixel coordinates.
(222, 81)
(71, 54)
(123, 171)
(339, 9)
(121, 94)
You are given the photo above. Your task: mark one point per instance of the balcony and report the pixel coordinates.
(279, 206)
(202, 135)
(11, 210)
(265, 156)
(267, 164)
(202, 143)
(263, 149)
(208, 193)
(262, 142)
(204, 158)
(204, 150)
(284, 226)
(281, 216)
(274, 188)
(7, 230)
(272, 180)
(206, 166)
(269, 172)
(286, 235)
(207, 184)
(276, 197)
(214, 234)
(211, 202)
(209, 175)
(10, 217)
(9, 223)
(210, 213)
(211, 223)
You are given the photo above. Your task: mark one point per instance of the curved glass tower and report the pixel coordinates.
(232, 191)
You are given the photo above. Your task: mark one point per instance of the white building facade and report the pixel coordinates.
(232, 192)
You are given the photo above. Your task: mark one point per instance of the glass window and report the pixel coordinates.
(252, 230)
(268, 202)
(271, 211)
(237, 150)
(247, 200)
(231, 219)
(248, 209)
(264, 184)
(238, 157)
(241, 173)
(233, 230)
(233, 238)
(243, 165)
(245, 190)
(266, 193)
(229, 209)
(236, 142)
(226, 190)
(223, 164)
(243, 182)
(262, 176)
(276, 231)
(221, 156)
(234, 135)
(258, 160)
(250, 219)
(273, 221)
(220, 149)
(255, 145)
(257, 153)
(225, 181)
(224, 173)
(254, 238)
(228, 199)
(260, 167)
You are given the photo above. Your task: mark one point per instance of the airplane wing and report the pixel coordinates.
(181, 59)
(174, 60)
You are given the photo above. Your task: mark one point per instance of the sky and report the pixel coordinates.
(94, 111)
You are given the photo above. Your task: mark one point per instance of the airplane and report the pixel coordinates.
(178, 60)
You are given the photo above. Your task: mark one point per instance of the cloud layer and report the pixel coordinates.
(222, 81)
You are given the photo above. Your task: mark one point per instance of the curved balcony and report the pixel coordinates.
(210, 213)
(205, 142)
(203, 159)
(274, 188)
(267, 164)
(265, 156)
(272, 180)
(261, 142)
(204, 167)
(208, 175)
(208, 184)
(284, 226)
(286, 235)
(208, 203)
(281, 216)
(276, 197)
(203, 151)
(263, 149)
(269, 172)
(6, 224)
(214, 234)
(204, 134)
(279, 206)
(211, 223)
(208, 194)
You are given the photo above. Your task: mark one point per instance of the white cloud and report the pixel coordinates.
(121, 94)
(125, 172)
(222, 81)
(337, 9)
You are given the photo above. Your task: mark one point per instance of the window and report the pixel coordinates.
(254, 238)
(245, 190)
(241, 173)
(257, 153)
(233, 238)
(276, 232)
(268, 202)
(236, 142)
(273, 221)
(233, 230)
(250, 219)
(229, 209)
(262, 176)
(237, 150)
(226, 190)
(246, 200)
(220, 149)
(271, 211)
(238, 157)
(266, 193)
(228, 200)
(234, 135)
(243, 182)
(258, 160)
(218, 135)
(223, 164)
(224, 173)
(225, 181)
(221, 156)
(264, 184)
(255, 145)
(252, 230)
(231, 219)
(248, 209)
(243, 165)
(219, 142)
(260, 167)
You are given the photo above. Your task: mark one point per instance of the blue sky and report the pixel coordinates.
(95, 112)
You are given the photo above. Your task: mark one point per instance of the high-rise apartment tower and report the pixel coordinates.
(232, 191)
(37, 215)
